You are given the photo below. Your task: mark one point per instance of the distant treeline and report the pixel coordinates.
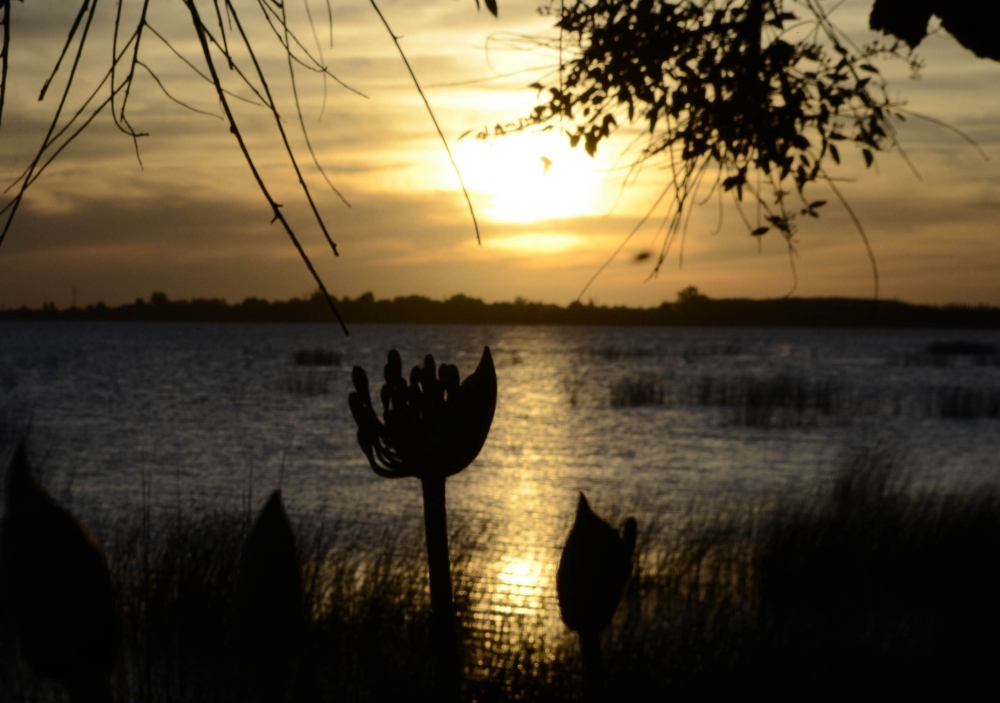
(690, 308)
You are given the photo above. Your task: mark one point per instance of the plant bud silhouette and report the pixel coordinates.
(595, 566)
(269, 602)
(56, 589)
(431, 428)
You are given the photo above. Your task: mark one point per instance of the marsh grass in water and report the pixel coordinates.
(950, 355)
(317, 357)
(783, 400)
(694, 354)
(866, 584)
(962, 403)
(308, 384)
(631, 392)
(613, 353)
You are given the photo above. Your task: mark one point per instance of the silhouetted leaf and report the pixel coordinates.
(463, 135)
(816, 204)
(491, 5)
(867, 153)
(760, 231)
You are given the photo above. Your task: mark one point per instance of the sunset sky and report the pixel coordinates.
(192, 222)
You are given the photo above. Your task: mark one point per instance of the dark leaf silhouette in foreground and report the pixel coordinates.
(431, 428)
(269, 604)
(595, 567)
(56, 590)
(975, 24)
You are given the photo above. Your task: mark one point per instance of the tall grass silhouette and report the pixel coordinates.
(865, 583)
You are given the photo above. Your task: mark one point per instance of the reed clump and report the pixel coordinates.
(318, 357)
(951, 354)
(632, 392)
(309, 384)
(963, 403)
(613, 353)
(784, 400)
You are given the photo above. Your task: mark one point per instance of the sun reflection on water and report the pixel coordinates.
(519, 585)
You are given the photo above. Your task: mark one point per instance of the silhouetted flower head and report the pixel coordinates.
(432, 427)
(595, 566)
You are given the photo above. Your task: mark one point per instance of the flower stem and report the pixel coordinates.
(446, 673)
(593, 666)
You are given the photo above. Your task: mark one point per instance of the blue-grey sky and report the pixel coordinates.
(192, 222)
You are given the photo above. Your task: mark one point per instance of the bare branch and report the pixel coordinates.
(275, 207)
(55, 120)
(62, 54)
(444, 140)
(176, 100)
(4, 54)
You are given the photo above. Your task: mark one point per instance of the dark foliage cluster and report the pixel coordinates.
(755, 95)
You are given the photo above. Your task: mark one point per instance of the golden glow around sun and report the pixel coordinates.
(531, 177)
(535, 243)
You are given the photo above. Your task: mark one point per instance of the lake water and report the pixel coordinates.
(730, 414)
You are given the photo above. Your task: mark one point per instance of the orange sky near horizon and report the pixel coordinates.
(190, 220)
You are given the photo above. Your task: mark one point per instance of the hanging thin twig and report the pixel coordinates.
(55, 120)
(234, 128)
(416, 83)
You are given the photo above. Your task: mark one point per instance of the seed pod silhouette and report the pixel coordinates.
(269, 602)
(595, 566)
(431, 429)
(56, 589)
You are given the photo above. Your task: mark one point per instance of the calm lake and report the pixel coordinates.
(646, 421)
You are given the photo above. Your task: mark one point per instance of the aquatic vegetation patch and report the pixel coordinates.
(613, 353)
(317, 357)
(310, 384)
(693, 354)
(631, 392)
(963, 403)
(783, 400)
(951, 354)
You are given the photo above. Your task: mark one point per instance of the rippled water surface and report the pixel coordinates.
(644, 420)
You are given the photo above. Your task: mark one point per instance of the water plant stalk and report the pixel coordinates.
(431, 428)
(448, 669)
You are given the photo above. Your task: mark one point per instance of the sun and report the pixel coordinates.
(531, 177)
